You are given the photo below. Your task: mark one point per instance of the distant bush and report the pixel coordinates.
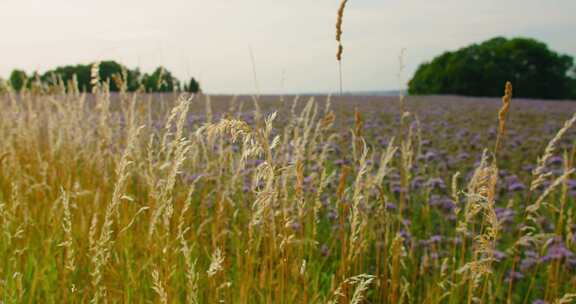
(481, 69)
(18, 79)
(192, 86)
(161, 80)
(573, 83)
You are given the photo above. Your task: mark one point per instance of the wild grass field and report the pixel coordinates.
(141, 198)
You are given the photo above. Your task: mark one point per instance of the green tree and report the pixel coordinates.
(573, 83)
(193, 86)
(18, 79)
(111, 68)
(482, 69)
(107, 69)
(161, 80)
(66, 74)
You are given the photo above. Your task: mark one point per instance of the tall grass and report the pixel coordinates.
(114, 198)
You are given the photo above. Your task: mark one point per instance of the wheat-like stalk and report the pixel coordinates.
(176, 152)
(158, 287)
(539, 174)
(566, 299)
(502, 115)
(340, 48)
(186, 250)
(216, 263)
(357, 219)
(362, 283)
(68, 244)
(103, 244)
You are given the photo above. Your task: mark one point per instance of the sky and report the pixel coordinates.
(291, 41)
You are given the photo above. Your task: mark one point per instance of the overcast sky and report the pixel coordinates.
(292, 40)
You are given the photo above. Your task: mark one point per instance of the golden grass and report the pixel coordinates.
(119, 200)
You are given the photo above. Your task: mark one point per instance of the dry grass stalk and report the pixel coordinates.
(176, 152)
(186, 250)
(104, 243)
(357, 218)
(566, 299)
(158, 287)
(533, 208)
(539, 174)
(339, 19)
(481, 200)
(68, 238)
(362, 282)
(281, 242)
(340, 48)
(216, 263)
(502, 115)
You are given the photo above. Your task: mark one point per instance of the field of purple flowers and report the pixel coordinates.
(135, 198)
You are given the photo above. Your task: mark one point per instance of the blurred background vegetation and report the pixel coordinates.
(476, 70)
(160, 80)
(480, 69)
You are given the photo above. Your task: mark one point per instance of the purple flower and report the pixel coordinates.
(383, 142)
(430, 156)
(434, 200)
(463, 156)
(436, 183)
(571, 184)
(405, 234)
(514, 276)
(557, 251)
(555, 160)
(447, 204)
(499, 256)
(435, 239)
(457, 240)
(417, 182)
(528, 168)
(332, 215)
(516, 187)
(340, 162)
(505, 215)
(571, 262)
(396, 188)
(529, 261)
(296, 226)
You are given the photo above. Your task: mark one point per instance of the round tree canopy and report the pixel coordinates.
(482, 69)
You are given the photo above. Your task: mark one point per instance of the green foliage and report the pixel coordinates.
(573, 83)
(193, 86)
(82, 72)
(18, 79)
(161, 80)
(481, 70)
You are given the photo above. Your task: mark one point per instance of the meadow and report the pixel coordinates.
(166, 198)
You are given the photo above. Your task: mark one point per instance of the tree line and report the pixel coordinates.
(160, 80)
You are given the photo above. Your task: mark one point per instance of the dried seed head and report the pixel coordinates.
(503, 114)
(340, 17)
